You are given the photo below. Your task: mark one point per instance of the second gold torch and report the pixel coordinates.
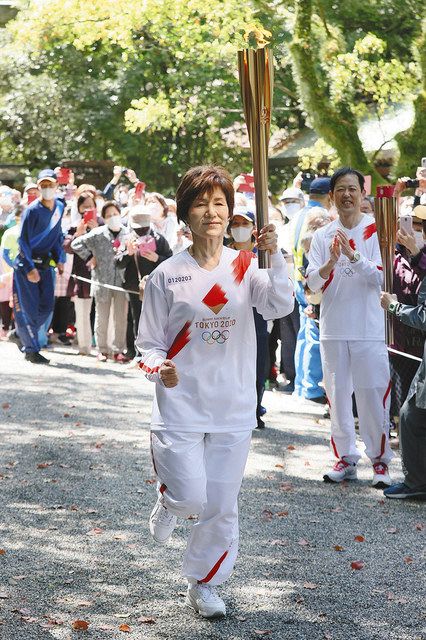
(256, 80)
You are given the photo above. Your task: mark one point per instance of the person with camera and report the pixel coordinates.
(103, 243)
(79, 290)
(119, 191)
(346, 265)
(198, 344)
(145, 249)
(412, 423)
(40, 243)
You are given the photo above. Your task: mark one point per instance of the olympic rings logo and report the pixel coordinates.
(215, 336)
(347, 271)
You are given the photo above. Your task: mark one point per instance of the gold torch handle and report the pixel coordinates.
(256, 81)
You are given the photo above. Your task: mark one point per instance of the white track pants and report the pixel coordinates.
(361, 367)
(201, 473)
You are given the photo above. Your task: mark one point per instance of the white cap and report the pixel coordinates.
(292, 193)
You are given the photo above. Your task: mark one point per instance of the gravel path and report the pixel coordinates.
(76, 490)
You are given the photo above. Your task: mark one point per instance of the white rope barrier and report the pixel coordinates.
(406, 355)
(102, 284)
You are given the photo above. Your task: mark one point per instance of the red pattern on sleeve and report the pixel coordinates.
(181, 340)
(241, 264)
(370, 230)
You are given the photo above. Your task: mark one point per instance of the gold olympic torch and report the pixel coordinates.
(256, 73)
(386, 208)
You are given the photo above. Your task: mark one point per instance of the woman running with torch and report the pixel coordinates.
(198, 344)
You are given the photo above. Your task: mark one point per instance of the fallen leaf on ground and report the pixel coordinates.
(77, 424)
(6, 405)
(392, 530)
(240, 618)
(80, 625)
(310, 585)
(95, 532)
(286, 486)
(291, 447)
(44, 465)
(408, 559)
(98, 445)
(307, 463)
(282, 514)
(66, 415)
(84, 603)
(2, 552)
(150, 481)
(357, 565)
(359, 539)
(147, 620)
(300, 600)
(279, 466)
(125, 628)
(336, 510)
(267, 515)
(337, 547)
(303, 542)
(419, 526)
(279, 543)
(263, 632)
(398, 599)
(122, 615)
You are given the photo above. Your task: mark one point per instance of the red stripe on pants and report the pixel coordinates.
(388, 390)
(382, 448)
(214, 570)
(163, 488)
(333, 444)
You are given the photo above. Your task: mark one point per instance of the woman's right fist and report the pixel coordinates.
(168, 374)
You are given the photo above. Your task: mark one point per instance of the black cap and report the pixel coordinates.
(321, 186)
(46, 174)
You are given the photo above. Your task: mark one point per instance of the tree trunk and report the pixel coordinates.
(411, 143)
(335, 124)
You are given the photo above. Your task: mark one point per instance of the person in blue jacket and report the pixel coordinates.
(40, 243)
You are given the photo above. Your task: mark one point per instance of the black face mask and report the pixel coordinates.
(144, 231)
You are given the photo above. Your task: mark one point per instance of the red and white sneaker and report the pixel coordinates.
(381, 477)
(342, 470)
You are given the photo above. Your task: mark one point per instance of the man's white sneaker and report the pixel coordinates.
(161, 522)
(381, 477)
(342, 470)
(205, 601)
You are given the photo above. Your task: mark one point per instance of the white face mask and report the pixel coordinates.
(241, 234)
(48, 193)
(418, 236)
(291, 209)
(123, 198)
(114, 223)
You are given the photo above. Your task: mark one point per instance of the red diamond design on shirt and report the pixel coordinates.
(215, 299)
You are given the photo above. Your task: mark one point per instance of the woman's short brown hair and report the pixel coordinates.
(161, 199)
(110, 203)
(200, 180)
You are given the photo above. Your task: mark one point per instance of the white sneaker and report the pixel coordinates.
(161, 522)
(205, 601)
(342, 470)
(381, 477)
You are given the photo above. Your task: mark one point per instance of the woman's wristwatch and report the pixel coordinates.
(393, 307)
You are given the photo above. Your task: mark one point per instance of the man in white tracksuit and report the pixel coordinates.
(345, 263)
(198, 344)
